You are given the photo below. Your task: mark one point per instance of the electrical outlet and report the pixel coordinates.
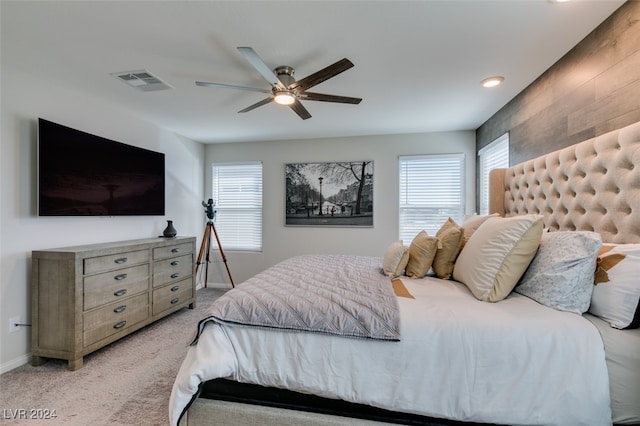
(13, 327)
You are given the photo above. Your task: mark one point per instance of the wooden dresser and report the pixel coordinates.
(85, 297)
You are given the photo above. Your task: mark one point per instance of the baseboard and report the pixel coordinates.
(15, 363)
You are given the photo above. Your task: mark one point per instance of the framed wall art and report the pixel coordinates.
(329, 194)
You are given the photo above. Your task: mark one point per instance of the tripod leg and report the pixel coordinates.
(205, 240)
(224, 259)
(206, 271)
(204, 250)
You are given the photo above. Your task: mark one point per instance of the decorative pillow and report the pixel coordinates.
(497, 254)
(450, 237)
(473, 222)
(616, 294)
(421, 253)
(560, 276)
(395, 259)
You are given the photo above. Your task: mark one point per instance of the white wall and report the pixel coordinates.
(280, 241)
(23, 101)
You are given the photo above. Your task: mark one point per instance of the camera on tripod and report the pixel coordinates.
(208, 208)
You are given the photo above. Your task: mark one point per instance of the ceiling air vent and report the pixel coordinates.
(142, 80)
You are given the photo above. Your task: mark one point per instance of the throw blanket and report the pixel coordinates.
(334, 294)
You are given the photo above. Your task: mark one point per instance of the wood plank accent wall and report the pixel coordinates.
(593, 89)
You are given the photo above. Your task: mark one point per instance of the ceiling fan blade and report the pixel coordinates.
(322, 75)
(300, 110)
(266, 72)
(257, 104)
(310, 96)
(231, 86)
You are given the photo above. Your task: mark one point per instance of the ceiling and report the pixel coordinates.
(418, 64)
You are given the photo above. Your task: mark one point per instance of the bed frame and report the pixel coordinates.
(592, 186)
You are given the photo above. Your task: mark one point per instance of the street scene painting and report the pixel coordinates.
(329, 194)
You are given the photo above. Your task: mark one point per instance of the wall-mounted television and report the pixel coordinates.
(80, 174)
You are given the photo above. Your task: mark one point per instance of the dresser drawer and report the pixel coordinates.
(172, 251)
(103, 322)
(94, 265)
(174, 269)
(171, 295)
(111, 286)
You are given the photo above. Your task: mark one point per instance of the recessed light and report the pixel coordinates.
(492, 81)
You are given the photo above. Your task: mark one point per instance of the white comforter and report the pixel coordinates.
(514, 362)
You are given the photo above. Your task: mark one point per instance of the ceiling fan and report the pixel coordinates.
(285, 90)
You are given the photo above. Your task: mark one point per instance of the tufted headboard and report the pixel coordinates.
(590, 186)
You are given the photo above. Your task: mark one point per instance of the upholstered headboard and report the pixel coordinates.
(592, 186)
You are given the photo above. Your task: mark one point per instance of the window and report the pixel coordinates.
(493, 156)
(237, 193)
(431, 191)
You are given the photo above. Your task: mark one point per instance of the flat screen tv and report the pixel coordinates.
(80, 174)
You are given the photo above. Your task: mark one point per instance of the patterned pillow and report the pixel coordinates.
(421, 254)
(560, 276)
(395, 259)
(616, 294)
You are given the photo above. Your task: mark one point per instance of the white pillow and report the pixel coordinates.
(395, 259)
(560, 276)
(497, 254)
(616, 294)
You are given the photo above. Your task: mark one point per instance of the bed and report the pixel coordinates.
(456, 350)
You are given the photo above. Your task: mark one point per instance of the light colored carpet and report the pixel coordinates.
(126, 383)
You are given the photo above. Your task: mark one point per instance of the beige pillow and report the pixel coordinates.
(471, 223)
(421, 253)
(395, 259)
(450, 237)
(497, 254)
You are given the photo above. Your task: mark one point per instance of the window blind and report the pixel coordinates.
(493, 156)
(237, 192)
(431, 191)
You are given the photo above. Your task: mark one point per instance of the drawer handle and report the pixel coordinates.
(174, 301)
(174, 276)
(120, 325)
(120, 309)
(175, 250)
(120, 292)
(120, 277)
(120, 260)
(174, 263)
(175, 288)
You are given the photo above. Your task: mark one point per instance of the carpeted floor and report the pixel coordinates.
(126, 383)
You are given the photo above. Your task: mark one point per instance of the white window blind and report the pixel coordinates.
(493, 156)
(431, 191)
(237, 192)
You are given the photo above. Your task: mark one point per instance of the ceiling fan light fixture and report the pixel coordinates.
(284, 98)
(492, 81)
(285, 90)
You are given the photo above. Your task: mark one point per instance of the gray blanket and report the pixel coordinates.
(334, 294)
